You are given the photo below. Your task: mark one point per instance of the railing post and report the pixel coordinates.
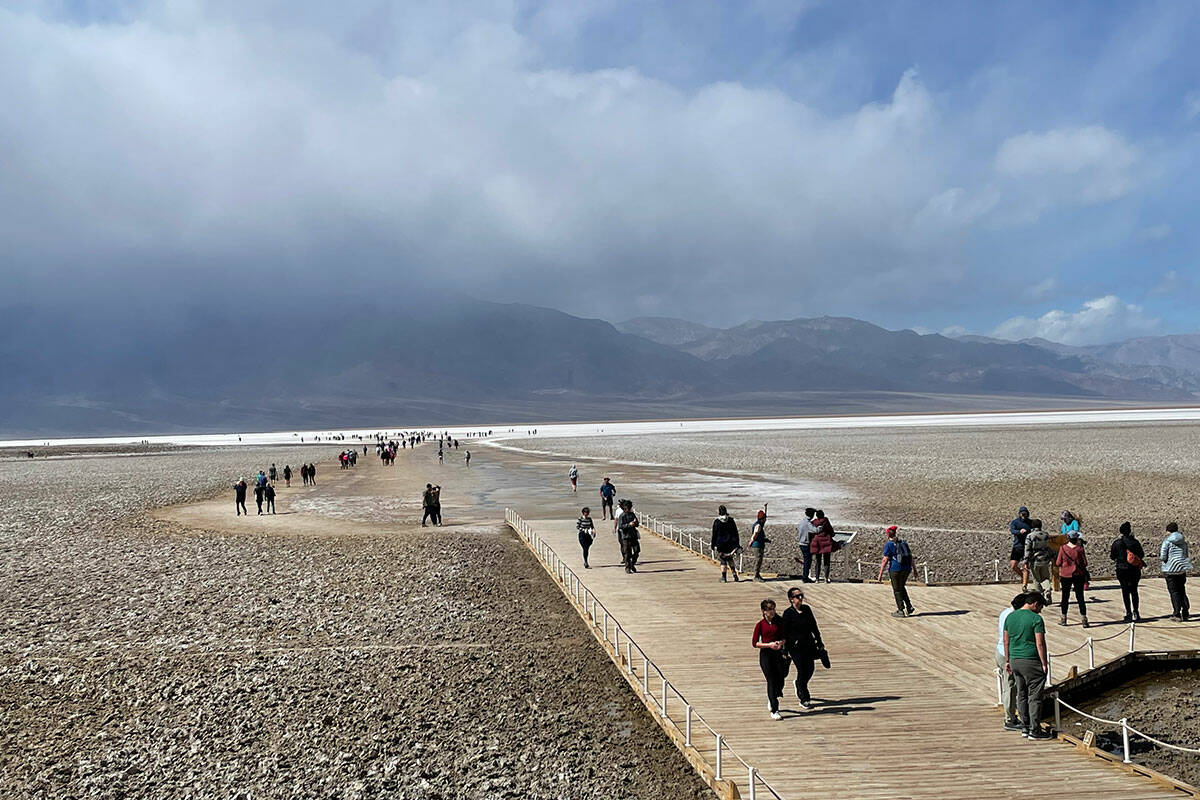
(629, 654)
(997, 570)
(999, 686)
(1091, 654)
(1049, 668)
(750, 782)
(645, 676)
(1057, 715)
(926, 574)
(1125, 739)
(1132, 628)
(718, 764)
(687, 724)
(664, 693)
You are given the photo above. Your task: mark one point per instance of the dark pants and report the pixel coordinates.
(239, 505)
(758, 552)
(606, 509)
(1031, 681)
(631, 548)
(899, 590)
(728, 561)
(428, 514)
(258, 498)
(806, 553)
(437, 513)
(1072, 585)
(585, 542)
(805, 661)
(1128, 578)
(818, 560)
(774, 667)
(270, 505)
(1180, 607)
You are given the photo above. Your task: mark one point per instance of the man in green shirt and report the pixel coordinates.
(1026, 659)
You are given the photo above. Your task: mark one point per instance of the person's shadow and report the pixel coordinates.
(847, 705)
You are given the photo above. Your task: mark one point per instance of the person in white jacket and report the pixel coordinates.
(804, 532)
(1175, 567)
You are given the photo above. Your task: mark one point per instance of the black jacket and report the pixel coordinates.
(725, 535)
(1122, 545)
(800, 627)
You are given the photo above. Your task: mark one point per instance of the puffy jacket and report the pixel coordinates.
(1174, 555)
(725, 535)
(822, 540)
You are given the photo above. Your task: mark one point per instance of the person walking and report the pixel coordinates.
(725, 543)
(758, 542)
(1008, 694)
(898, 561)
(573, 476)
(1129, 558)
(287, 475)
(821, 545)
(1019, 528)
(1038, 559)
(628, 536)
(269, 493)
(769, 639)
(271, 473)
(304, 473)
(607, 493)
(239, 497)
(1025, 656)
(468, 459)
(804, 532)
(427, 511)
(1175, 566)
(587, 533)
(1073, 575)
(312, 474)
(804, 643)
(436, 498)
(259, 490)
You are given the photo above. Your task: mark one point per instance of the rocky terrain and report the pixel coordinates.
(141, 659)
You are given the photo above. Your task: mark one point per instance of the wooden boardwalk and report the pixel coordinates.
(908, 709)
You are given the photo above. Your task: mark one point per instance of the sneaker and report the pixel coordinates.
(829, 580)
(759, 579)
(1024, 733)
(1063, 620)
(1127, 618)
(1085, 623)
(735, 577)
(898, 614)
(807, 579)
(1137, 617)
(775, 716)
(807, 704)
(910, 611)
(1013, 725)
(633, 568)
(1040, 734)
(723, 578)
(628, 570)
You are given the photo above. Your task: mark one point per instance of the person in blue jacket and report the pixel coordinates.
(1019, 528)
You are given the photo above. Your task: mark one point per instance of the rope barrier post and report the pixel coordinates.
(750, 781)
(645, 676)
(687, 724)
(926, 574)
(1049, 667)
(629, 654)
(1125, 739)
(664, 693)
(999, 687)
(1132, 628)
(1057, 714)
(1091, 654)
(718, 765)
(997, 570)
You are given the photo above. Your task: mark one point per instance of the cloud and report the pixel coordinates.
(1071, 165)
(1104, 319)
(1154, 233)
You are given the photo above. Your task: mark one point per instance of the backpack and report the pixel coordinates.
(1132, 559)
(904, 556)
(1039, 550)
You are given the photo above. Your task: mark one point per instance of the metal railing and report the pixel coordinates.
(1089, 643)
(643, 674)
(1126, 730)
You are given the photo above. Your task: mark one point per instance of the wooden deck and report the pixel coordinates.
(908, 709)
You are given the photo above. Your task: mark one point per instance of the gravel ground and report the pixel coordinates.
(961, 485)
(138, 659)
(1165, 706)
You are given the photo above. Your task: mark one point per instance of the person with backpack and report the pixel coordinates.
(573, 477)
(769, 640)
(1038, 559)
(1128, 557)
(725, 542)
(628, 536)
(804, 532)
(821, 545)
(586, 529)
(1027, 659)
(1073, 574)
(898, 561)
(1175, 567)
(804, 643)
(758, 542)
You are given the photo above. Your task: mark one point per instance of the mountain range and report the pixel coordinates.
(444, 360)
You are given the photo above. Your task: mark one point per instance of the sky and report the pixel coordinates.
(1012, 169)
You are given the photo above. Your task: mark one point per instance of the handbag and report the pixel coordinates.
(823, 654)
(1132, 559)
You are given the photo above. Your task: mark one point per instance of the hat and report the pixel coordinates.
(1022, 510)
(1066, 515)
(1126, 529)
(891, 530)
(1073, 534)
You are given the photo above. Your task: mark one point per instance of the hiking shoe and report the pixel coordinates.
(898, 614)
(775, 716)
(1040, 734)
(1013, 725)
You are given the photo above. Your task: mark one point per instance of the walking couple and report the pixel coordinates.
(782, 640)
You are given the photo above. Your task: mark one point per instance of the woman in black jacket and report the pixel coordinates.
(1127, 554)
(803, 642)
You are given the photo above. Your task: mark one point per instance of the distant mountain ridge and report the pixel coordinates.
(452, 359)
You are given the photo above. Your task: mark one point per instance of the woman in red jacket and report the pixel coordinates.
(821, 545)
(1073, 574)
(769, 639)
